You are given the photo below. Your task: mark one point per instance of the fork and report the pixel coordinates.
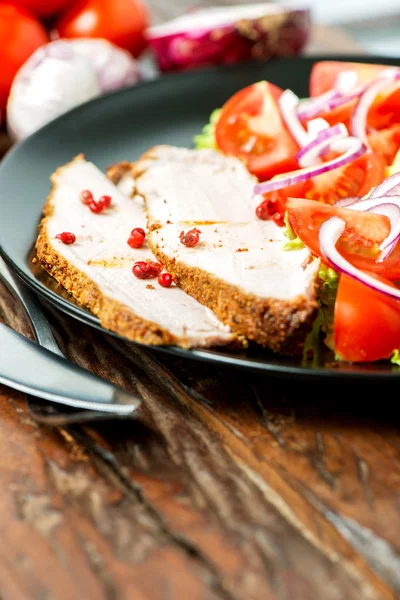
(47, 356)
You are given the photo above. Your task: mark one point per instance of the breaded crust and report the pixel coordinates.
(277, 324)
(118, 170)
(113, 315)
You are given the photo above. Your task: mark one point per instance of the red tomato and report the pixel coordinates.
(20, 34)
(386, 142)
(324, 73)
(385, 110)
(355, 179)
(44, 9)
(366, 322)
(250, 126)
(120, 21)
(359, 242)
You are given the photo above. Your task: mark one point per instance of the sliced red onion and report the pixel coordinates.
(229, 34)
(360, 113)
(355, 148)
(288, 104)
(329, 234)
(309, 154)
(388, 187)
(390, 207)
(346, 202)
(346, 82)
(342, 91)
(315, 106)
(372, 203)
(306, 112)
(315, 126)
(388, 250)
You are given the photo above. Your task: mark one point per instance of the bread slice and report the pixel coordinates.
(97, 268)
(239, 269)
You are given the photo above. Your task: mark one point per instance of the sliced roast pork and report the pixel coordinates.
(97, 268)
(239, 268)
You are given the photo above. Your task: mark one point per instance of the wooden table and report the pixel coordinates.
(228, 486)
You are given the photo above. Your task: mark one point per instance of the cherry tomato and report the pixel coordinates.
(122, 22)
(359, 242)
(20, 34)
(44, 9)
(366, 322)
(250, 127)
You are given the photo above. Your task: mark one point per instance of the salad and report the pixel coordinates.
(328, 171)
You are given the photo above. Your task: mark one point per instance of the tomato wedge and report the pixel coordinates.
(324, 73)
(355, 179)
(366, 322)
(385, 110)
(386, 142)
(250, 127)
(359, 243)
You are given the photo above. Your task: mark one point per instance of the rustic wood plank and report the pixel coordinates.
(232, 489)
(287, 493)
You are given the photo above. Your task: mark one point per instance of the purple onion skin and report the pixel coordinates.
(255, 39)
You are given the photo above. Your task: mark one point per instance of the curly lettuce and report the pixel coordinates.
(206, 139)
(395, 359)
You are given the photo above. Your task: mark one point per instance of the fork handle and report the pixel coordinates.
(41, 327)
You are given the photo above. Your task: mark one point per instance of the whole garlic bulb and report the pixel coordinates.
(61, 75)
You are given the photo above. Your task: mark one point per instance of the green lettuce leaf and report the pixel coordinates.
(206, 139)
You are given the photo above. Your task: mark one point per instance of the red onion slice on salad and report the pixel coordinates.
(390, 207)
(389, 187)
(346, 202)
(329, 234)
(358, 124)
(288, 103)
(343, 91)
(355, 148)
(315, 106)
(309, 155)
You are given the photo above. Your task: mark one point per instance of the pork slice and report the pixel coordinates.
(97, 268)
(180, 184)
(239, 269)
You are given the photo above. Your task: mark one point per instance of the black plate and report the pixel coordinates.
(121, 126)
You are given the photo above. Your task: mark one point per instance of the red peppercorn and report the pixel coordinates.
(142, 270)
(86, 196)
(266, 209)
(136, 239)
(165, 280)
(191, 238)
(146, 270)
(279, 219)
(66, 237)
(95, 207)
(105, 201)
(156, 268)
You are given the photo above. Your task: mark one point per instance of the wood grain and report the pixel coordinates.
(228, 486)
